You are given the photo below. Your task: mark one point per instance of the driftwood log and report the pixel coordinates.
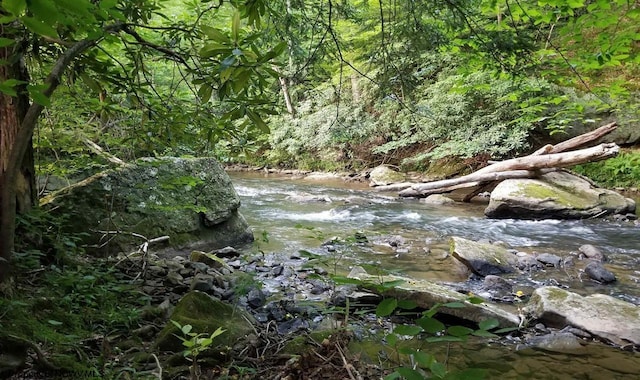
(543, 160)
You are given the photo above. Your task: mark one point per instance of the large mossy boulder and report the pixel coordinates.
(191, 200)
(205, 314)
(555, 195)
(601, 315)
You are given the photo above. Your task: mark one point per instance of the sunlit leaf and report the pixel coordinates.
(407, 330)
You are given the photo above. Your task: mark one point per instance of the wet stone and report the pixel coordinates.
(277, 270)
(549, 259)
(591, 252)
(174, 278)
(256, 298)
(202, 282)
(596, 271)
(527, 263)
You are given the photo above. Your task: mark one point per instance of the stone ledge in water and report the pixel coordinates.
(383, 175)
(426, 294)
(603, 316)
(555, 195)
(482, 258)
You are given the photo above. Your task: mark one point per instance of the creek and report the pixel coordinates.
(411, 238)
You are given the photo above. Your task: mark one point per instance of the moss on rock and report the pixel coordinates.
(206, 314)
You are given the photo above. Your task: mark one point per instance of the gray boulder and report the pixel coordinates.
(596, 271)
(483, 258)
(555, 195)
(192, 200)
(601, 315)
(383, 175)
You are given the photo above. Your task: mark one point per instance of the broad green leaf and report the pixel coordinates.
(393, 376)
(444, 338)
(392, 339)
(204, 92)
(438, 369)
(216, 35)
(38, 27)
(488, 324)
(77, 7)
(407, 330)
(186, 329)
(475, 300)
(341, 280)
(54, 322)
(484, 334)
(219, 331)
(386, 307)
(459, 331)
(44, 10)
(36, 94)
(430, 325)
(16, 7)
(425, 360)
(410, 374)
(8, 90)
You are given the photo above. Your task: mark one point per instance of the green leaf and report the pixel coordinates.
(444, 338)
(80, 8)
(45, 10)
(393, 376)
(484, 334)
(425, 360)
(430, 325)
(454, 305)
(459, 331)
(54, 322)
(408, 330)
(38, 27)
(392, 339)
(409, 373)
(257, 120)
(204, 92)
(488, 324)
(438, 369)
(36, 94)
(235, 26)
(407, 304)
(15, 7)
(186, 329)
(8, 90)
(475, 300)
(386, 307)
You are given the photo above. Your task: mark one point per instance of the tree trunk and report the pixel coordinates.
(287, 97)
(18, 192)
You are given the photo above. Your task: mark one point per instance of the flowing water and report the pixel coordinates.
(412, 238)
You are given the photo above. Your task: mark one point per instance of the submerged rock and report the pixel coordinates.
(190, 200)
(601, 315)
(437, 199)
(555, 195)
(482, 258)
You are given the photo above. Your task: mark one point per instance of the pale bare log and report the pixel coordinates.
(558, 160)
(522, 167)
(471, 180)
(394, 186)
(577, 141)
(97, 149)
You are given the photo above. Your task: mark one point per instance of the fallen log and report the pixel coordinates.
(577, 141)
(515, 168)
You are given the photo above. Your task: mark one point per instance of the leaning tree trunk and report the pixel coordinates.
(18, 192)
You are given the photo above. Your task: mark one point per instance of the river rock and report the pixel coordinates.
(383, 175)
(601, 315)
(596, 271)
(591, 252)
(205, 314)
(555, 195)
(426, 294)
(437, 199)
(482, 258)
(191, 200)
(549, 259)
(561, 342)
